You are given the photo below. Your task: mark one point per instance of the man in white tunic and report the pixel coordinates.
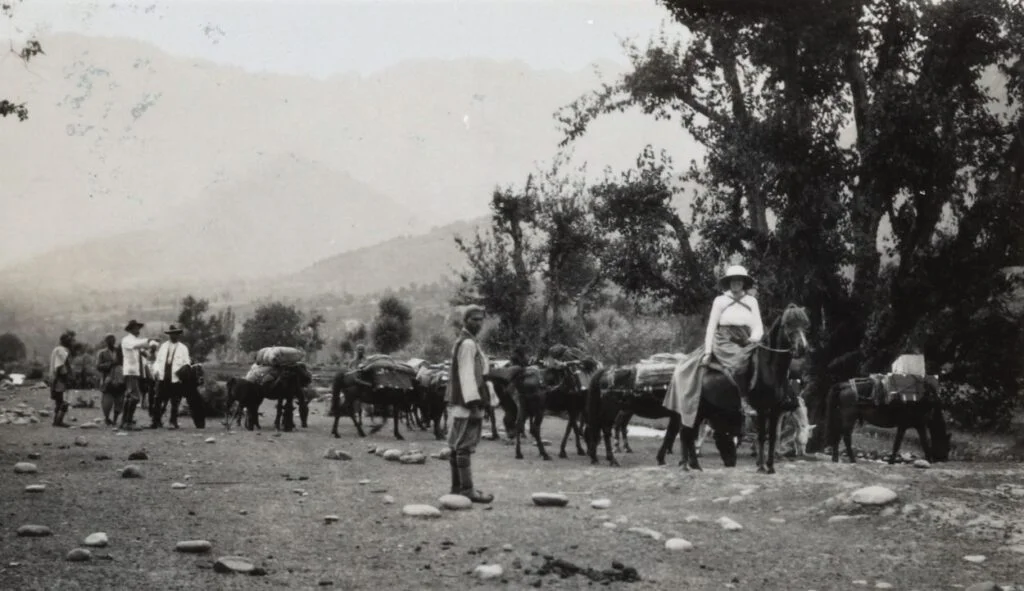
(132, 347)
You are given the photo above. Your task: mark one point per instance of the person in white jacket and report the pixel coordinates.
(170, 358)
(134, 351)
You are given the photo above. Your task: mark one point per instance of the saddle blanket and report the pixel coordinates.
(894, 388)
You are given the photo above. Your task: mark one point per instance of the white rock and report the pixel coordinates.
(883, 585)
(678, 545)
(35, 488)
(488, 571)
(210, 440)
(507, 548)
(841, 518)
(233, 564)
(922, 464)
(728, 524)
(622, 519)
(337, 454)
(424, 511)
(364, 482)
(97, 540)
(974, 558)
(415, 458)
(34, 531)
(389, 500)
(776, 520)
(736, 499)
(455, 502)
(860, 582)
(25, 468)
(550, 499)
(873, 495)
(720, 500)
(601, 503)
(178, 486)
(609, 525)
(392, 455)
(81, 441)
(194, 546)
(692, 519)
(645, 531)
(331, 518)
(79, 555)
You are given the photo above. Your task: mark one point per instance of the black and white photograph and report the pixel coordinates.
(512, 294)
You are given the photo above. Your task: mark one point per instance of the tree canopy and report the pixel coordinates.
(392, 328)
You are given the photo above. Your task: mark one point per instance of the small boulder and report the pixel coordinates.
(455, 502)
(728, 524)
(542, 499)
(331, 519)
(601, 503)
(647, 532)
(97, 540)
(389, 500)
(34, 456)
(922, 463)
(422, 511)
(87, 426)
(35, 488)
(34, 531)
(413, 458)
(444, 454)
(81, 441)
(79, 555)
(210, 440)
(25, 468)
(974, 558)
(608, 525)
(507, 548)
(883, 585)
(337, 454)
(137, 456)
(678, 545)
(873, 495)
(131, 471)
(364, 482)
(179, 486)
(392, 455)
(233, 564)
(193, 546)
(488, 571)
(776, 520)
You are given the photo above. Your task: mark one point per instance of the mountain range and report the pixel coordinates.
(140, 168)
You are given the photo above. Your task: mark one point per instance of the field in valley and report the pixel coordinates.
(264, 496)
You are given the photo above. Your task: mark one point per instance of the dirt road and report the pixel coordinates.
(264, 497)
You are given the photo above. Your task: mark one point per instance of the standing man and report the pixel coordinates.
(469, 397)
(132, 347)
(170, 357)
(60, 376)
(106, 361)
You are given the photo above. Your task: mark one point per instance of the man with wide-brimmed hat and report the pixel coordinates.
(170, 358)
(60, 376)
(469, 396)
(132, 351)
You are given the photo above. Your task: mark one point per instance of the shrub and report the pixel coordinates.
(977, 409)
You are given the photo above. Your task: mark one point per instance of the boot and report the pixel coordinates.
(58, 415)
(175, 402)
(456, 478)
(466, 479)
(129, 413)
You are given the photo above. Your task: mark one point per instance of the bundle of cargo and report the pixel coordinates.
(385, 362)
(383, 372)
(279, 356)
(656, 372)
(267, 374)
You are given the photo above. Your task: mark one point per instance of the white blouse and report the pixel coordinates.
(726, 311)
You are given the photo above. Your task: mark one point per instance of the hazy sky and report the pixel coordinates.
(326, 37)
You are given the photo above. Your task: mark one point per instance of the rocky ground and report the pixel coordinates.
(296, 513)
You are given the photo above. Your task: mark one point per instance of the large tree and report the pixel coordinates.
(392, 328)
(202, 333)
(12, 348)
(274, 324)
(859, 157)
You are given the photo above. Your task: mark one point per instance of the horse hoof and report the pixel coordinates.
(629, 451)
(770, 470)
(519, 456)
(661, 461)
(399, 438)
(580, 452)
(546, 458)
(614, 463)
(563, 455)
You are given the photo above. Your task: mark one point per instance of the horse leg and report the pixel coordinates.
(674, 422)
(926, 443)
(626, 418)
(494, 424)
(569, 427)
(900, 431)
(357, 417)
(535, 431)
(762, 427)
(520, 421)
(579, 427)
(608, 446)
(396, 412)
(304, 410)
(773, 430)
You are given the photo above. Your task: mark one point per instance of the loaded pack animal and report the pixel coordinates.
(618, 393)
(430, 387)
(285, 386)
(528, 392)
(900, 401)
(769, 394)
(380, 381)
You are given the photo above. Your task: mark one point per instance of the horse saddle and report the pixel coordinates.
(898, 389)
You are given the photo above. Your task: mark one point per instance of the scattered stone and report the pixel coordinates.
(883, 585)
(974, 558)
(34, 456)
(389, 500)
(25, 468)
(243, 512)
(337, 454)
(728, 524)
(984, 586)
(922, 464)
(550, 499)
(97, 540)
(212, 440)
(841, 518)
(609, 525)
(79, 555)
(364, 482)
(194, 546)
(507, 548)
(392, 455)
(488, 571)
(645, 531)
(131, 471)
(414, 458)
(678, 545)
(424, 511)
(601, 503)
(179, 486)
(776, 520)
(873, 495)
(34, 531)
(736, 499)
(102, 457)
(331, 519)
(137, 456)
(81, 441)
(233, 564)
(622, 519)
(720, 500)
(455, 502)
(444, 454)
(35, 488)
(87, 426)
(692, 519)
(860, 582)
(300, 492)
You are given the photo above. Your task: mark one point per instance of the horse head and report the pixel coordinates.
(792, 331)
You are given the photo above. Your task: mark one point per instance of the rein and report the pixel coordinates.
(767, 348)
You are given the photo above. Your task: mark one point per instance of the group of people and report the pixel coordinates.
(132, 372)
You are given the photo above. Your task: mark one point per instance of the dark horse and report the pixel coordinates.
(247, 396)
(855, 400)
(769, 394)
(528, 393)
(380, 386)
